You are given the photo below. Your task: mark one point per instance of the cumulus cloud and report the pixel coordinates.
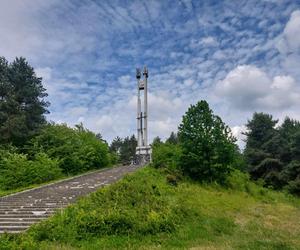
(238, 133)
(249, 88)
(288, 44)
(290, 38)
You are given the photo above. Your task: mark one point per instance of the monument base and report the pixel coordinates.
(143, 155)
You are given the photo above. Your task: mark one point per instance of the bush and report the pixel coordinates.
(17, 171)
(78, 149)
(166, 155)
(238, 180)
(294, 186)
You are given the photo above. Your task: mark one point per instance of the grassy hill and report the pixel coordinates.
(148, 210)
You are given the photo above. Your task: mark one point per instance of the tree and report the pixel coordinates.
(22, 102)
(156, 141)
(115, 145)
(259, 130)
(127, 149)
(273, 153)
(208, 148)
(173, 139)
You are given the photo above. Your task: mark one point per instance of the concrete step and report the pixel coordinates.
(37, 212)
(21, 200)
(22, 216)
(19, 211)
(16, 223)
(30, 208)
(8, 219)
(10, 229)
(43, 203)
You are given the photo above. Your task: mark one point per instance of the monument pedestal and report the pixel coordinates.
(143, 155)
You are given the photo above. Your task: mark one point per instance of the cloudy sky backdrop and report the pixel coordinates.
(241, 56)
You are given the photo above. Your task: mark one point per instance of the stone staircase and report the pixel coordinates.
(19, 211)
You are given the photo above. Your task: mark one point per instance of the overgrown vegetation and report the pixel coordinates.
(55, 152)
(77, 149)
(33, 151)
(16, 170)
(143, 211)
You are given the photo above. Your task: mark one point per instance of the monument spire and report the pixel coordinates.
(143, 150)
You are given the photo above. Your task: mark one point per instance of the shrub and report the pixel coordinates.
(166, 155)
(294, 186)
(238, 180)
(78, 149)
(17, 171)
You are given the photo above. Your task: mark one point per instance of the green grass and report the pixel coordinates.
(143, 211)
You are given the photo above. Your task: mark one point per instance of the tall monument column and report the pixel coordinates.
(143, 150)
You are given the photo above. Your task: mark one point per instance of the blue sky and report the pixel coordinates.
(241, 56)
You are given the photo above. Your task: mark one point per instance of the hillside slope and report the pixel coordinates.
(144, 211)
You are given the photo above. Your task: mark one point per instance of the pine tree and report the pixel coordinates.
(127, 150)
(115, 145)
(156, 141)
(22, 102)
(173, 139)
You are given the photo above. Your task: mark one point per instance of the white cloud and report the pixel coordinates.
(290, 38)
(237, 132)
(78, 111)
(126, 81)
(288, 44)
(249, 88)
(208, 41)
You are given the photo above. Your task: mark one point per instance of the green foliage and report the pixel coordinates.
(156, 141)
(115, 145)
(114, 158)
(238, 180)
(78, 149)
(127, 150)
(207, 143)
(273, 153)
(291, 176)
(166, 155)
(22, 104)
(124, 149)
(142, 204)
(144, 212)
(173, 139)
(260, 129)
(17, 171)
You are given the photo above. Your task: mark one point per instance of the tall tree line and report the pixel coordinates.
(124, 149)
(273, 153)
